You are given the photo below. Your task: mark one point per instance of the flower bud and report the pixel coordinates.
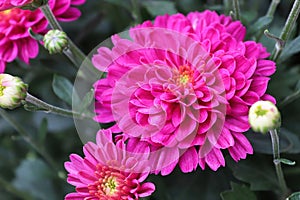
(264, 116)
(12, 91)
(55, 41)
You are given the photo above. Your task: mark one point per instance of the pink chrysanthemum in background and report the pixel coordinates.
(186, 93)
(15, 41)
(8, 4)
(108, 172)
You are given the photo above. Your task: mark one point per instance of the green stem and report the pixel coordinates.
(236, 9)
(286, 31)
(14, 191)
(276, 157)
(50, 17)
(272, 8)
(75, 55)
(271, 11)
(28, 139)
(53, 109)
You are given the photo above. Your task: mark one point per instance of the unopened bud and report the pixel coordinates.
(264, 116)
(12, 91)
(55, 41)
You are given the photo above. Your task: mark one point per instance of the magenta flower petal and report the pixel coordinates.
(214, 159)
(241, 148)
(188, 161)
(146, 189)
(2, 66)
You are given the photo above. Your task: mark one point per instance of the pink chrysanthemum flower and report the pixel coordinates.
(15, 40)
(108, 172)
(8, 4)
(183, 87)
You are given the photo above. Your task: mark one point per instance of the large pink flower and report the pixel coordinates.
(108, 172)
(15, 41)
(183, 87)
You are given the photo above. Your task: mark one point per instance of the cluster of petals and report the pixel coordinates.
(182, 86)
(8, 4)
(108, 171)
(15, 41)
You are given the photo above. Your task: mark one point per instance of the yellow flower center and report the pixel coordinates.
(6, 12)
(1, 88)
(184, 75)
(109, 185)
(184, 79)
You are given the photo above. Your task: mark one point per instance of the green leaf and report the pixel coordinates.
(257, 171)
(260, 24)
(156, 8)
(290, 49)
(63, 88)
(33, 176)
(292, 97)
(289, 142)
(238, 192)
(86, 102)
(294, 196)
(280, 86)
(285, 161)
(289, 99)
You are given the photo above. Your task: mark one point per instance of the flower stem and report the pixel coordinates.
(272, 8)
(53, 109)
(28, 139)
(276, 157)
(286, 31)
(50, 17)
(236, 9)
(75, 55)
(270, 13)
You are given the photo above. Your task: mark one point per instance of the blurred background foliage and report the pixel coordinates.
(25, 174)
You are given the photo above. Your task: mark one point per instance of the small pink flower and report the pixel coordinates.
(183, 87)
(8, 4)
(15, 41)
(108, 171)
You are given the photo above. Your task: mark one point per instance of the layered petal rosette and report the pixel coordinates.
(8, 4)
(182, 86)
(108, 171)
(15, 41)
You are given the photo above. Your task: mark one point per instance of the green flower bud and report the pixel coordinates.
(55, 41)
(12, 91)
(264, 116)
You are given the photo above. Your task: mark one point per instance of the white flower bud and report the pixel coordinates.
(12, 91)
(264, 116)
